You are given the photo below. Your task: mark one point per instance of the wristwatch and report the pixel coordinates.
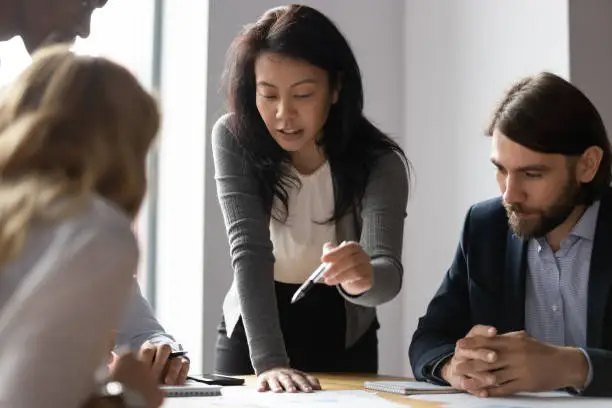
(121, 395)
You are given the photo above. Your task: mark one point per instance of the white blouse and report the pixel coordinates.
(298, 242)
(60, 300)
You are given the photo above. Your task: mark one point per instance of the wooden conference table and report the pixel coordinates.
(355, 382)
(335, 382)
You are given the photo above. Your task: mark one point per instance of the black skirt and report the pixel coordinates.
(314, 330)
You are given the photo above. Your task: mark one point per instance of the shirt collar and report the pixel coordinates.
(586, 225)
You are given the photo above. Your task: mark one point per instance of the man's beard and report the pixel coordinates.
(549, 218)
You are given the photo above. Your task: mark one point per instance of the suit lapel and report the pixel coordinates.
(514, 288)
(600, 274)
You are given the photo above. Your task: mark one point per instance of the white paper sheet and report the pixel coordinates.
(523, 400)
(248, 397)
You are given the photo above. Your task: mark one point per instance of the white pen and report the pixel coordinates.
(312, 280)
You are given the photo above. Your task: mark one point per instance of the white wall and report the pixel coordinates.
(460, 56)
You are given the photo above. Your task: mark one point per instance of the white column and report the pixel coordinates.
(180, 224)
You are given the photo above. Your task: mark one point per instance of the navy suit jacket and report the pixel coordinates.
(486, 285)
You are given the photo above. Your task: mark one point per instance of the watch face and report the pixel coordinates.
(128, 397)
(113, 388)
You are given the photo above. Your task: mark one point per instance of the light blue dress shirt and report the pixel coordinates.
(557, 286)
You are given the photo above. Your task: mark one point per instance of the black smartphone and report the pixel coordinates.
(216, 379)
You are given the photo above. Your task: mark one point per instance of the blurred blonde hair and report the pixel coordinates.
(70, 127)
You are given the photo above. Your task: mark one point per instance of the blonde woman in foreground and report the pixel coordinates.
(74, 136)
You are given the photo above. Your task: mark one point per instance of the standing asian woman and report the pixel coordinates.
(303, 177)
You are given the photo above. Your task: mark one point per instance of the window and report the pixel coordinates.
(113, 35)
(13, 59)
(170, 225)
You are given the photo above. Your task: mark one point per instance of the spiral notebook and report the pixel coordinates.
(408, 387)
(191, 389)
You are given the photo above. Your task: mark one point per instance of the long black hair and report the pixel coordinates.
(350, 141)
